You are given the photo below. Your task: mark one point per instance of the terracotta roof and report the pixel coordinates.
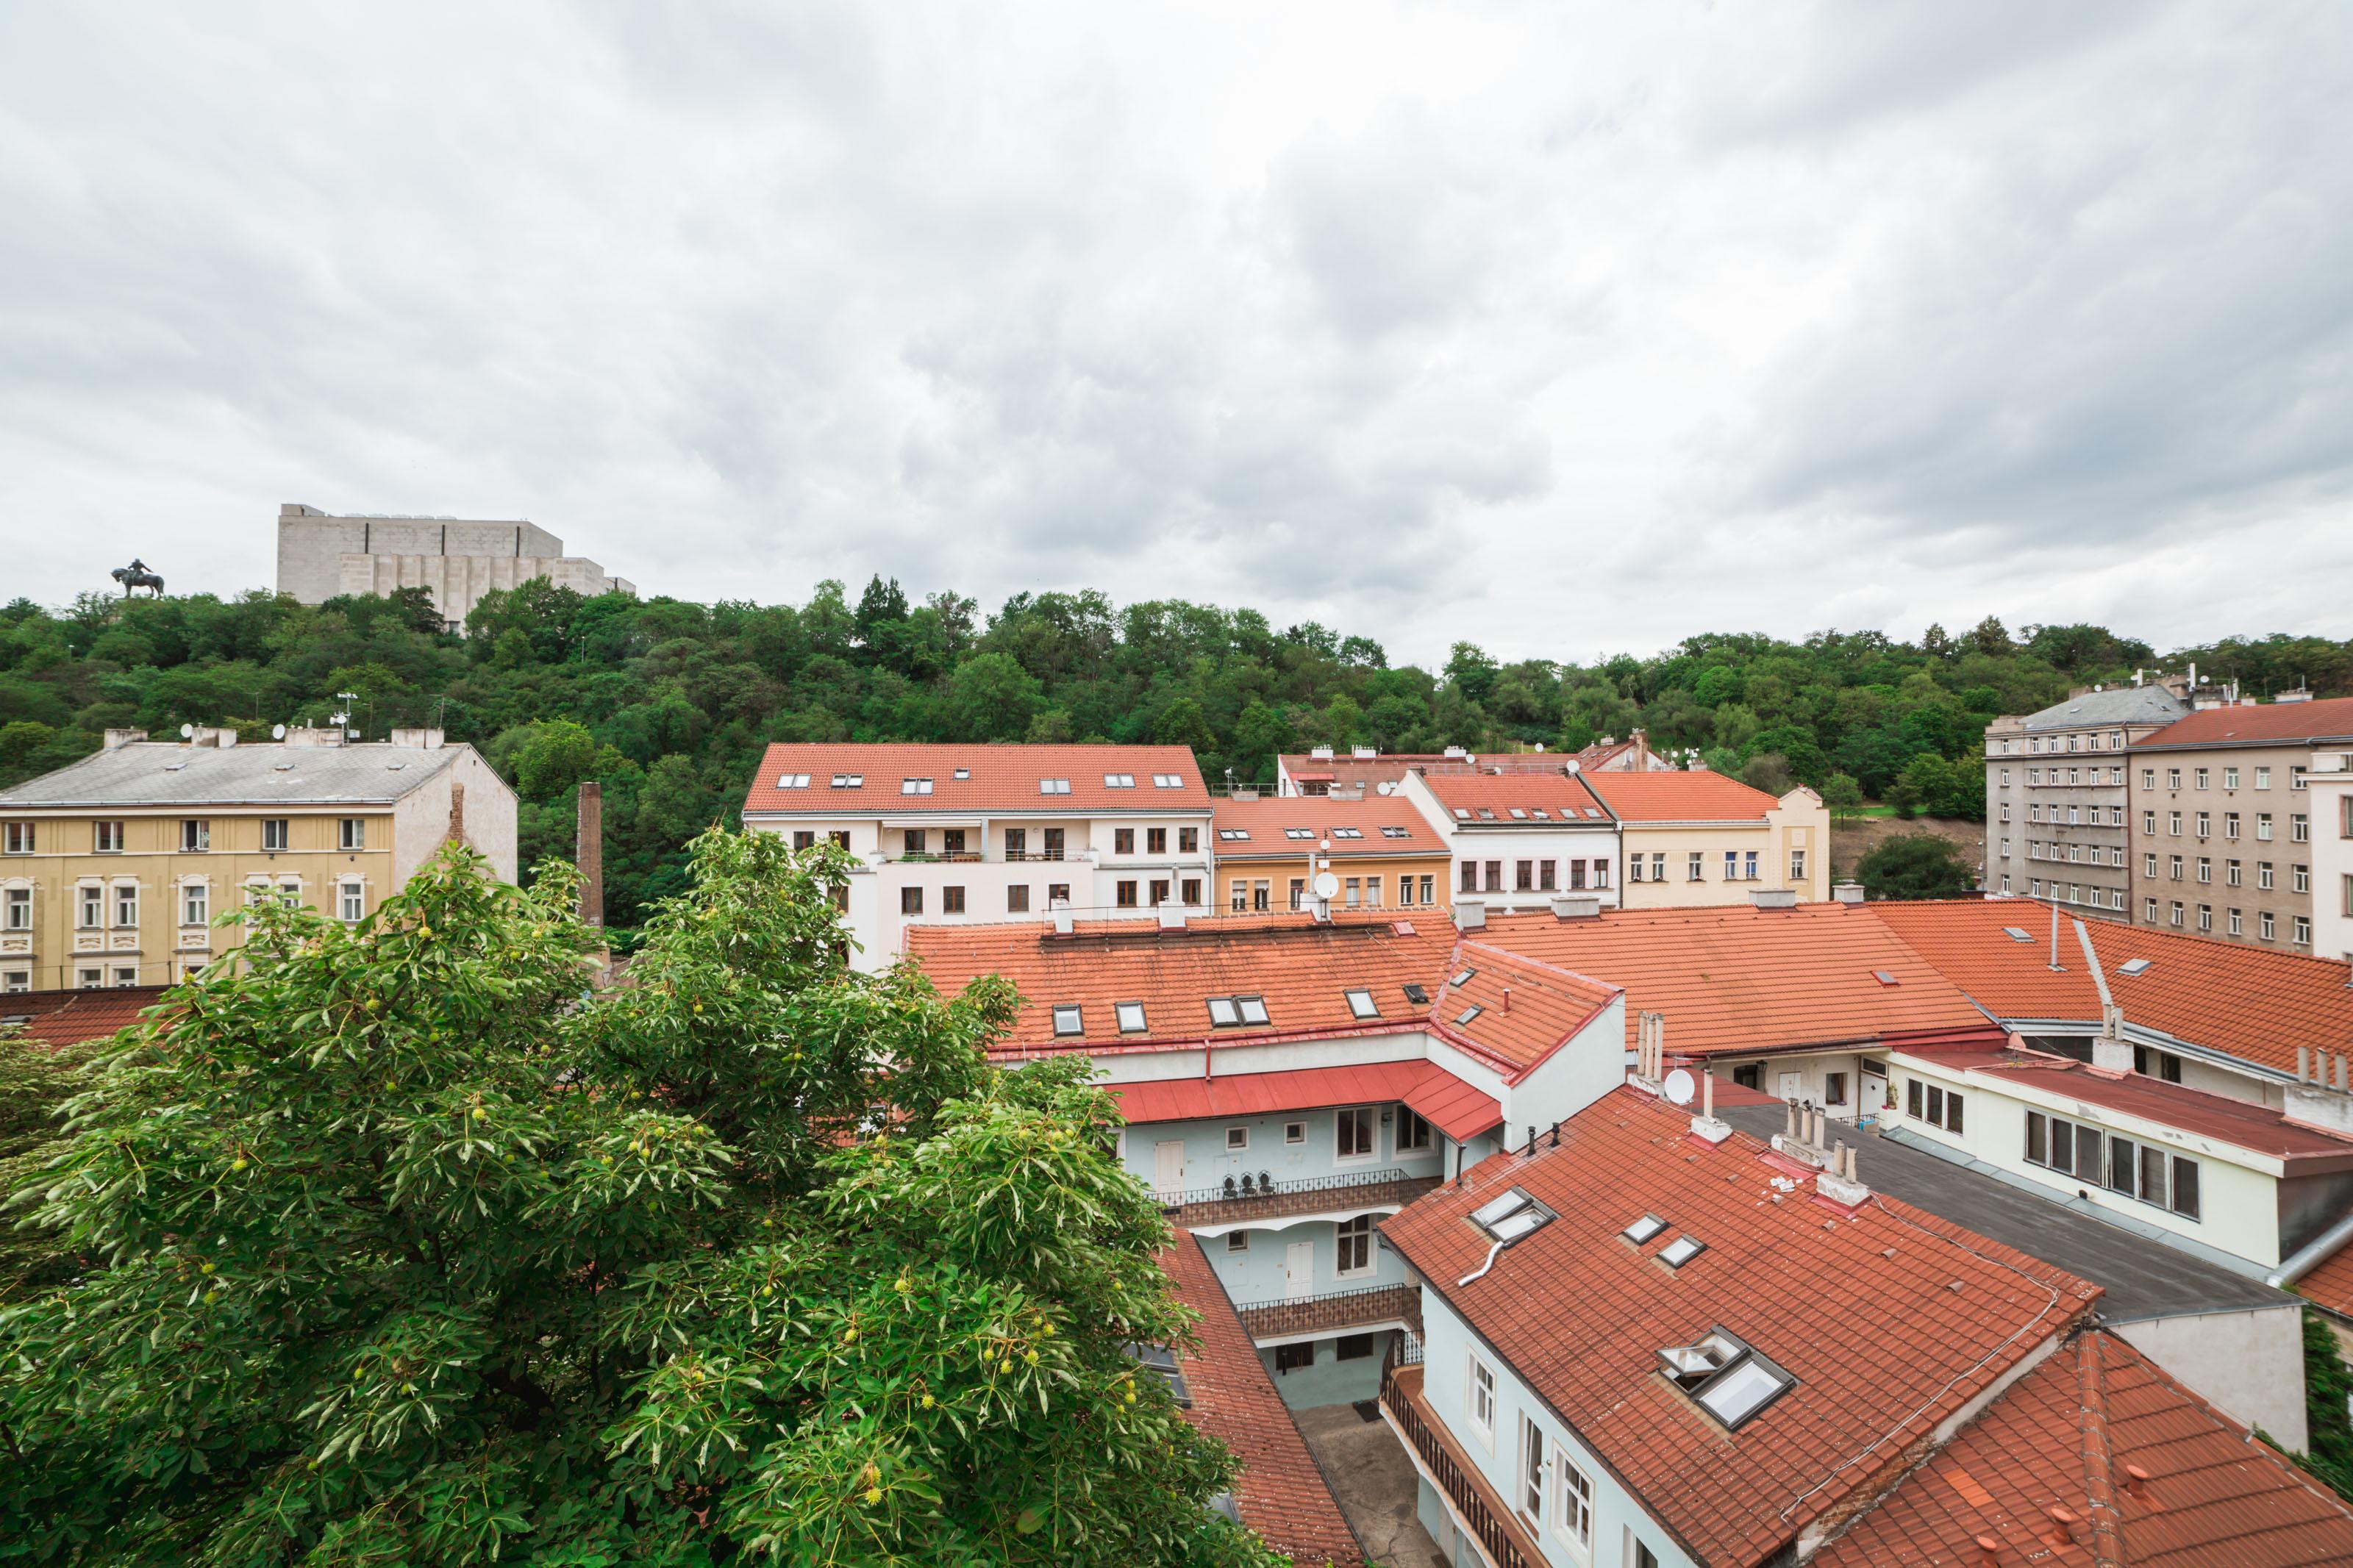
(2269, 723)
(1003, 778)
(1266, 818)
(1680, 797)
(1736, 979)
(1390, 766)
(1280, 1492)
(2242, 1124)
(1889, 1319)
(71, 1018)
(2243, 1001)
(1301, 968)
(2069, 1435)
(1562, 798)
(2329, 1283)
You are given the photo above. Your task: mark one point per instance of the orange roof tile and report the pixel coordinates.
(2329, 1284)
(2269, 723)
(1680, 797)
(1737, 979)
(2243, 1001)
(1003, 778)
(2069, 1435)
(1280, 1492)
(73, 1017)
(1889, 1319)
(1267, 819)
(1562, 798)
(1391, 766)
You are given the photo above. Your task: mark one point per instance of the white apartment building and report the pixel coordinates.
(1519, 840)
(2331, 784)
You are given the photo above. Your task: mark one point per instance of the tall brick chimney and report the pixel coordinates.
(457, 812)
(589, 853)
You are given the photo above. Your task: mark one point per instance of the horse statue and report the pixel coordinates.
(137, 576)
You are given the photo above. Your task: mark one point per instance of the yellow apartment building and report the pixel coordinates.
(1696, 838)
(113, 869)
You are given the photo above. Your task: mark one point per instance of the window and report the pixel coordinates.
(2300, 931)
(1294, 1132)
(2206, 916)
(1167, 781)
(107, 837)
(2204, 775)
(911, 900)
(1016, 900)
(1131, 1017)
(2264, 877)
(1413, 1131)
(1634, 867)
(16, 980)
(1834, 1088)
(1531, 1499)
(2230, 825)
(196, 835)
(2148, 778)
(18, 839)
(126, 905)
(850, 781)
(1351, 1347)
(351, 901)
(1572, 1508)
(1053, 787)
(89, 979)
(2205, 824)
(2238, 923)
(1053, 843)
(2148, 822)
(1290, 1358)
(1237, 1241)
(1348, 833)
(1232, 835)
(1798, 863)
(1119, 781)
(2205, 870)
(2148, 911)
(1299, 833)
(1299, 893)
(126, 974)
(2295, 776)
(2173, 778)
(1361, 1003)
(1693, 871)
(1123, 840)
(2269, 925)
(914, 787)
(1732, 865)
(1068, 1020)
(1659, 867)
(1237, 1138)
(2174, 912)
(19, 909)
(1125, 895)
(352, 832)
(804, 838)
(1523, 876)
(1353, 1132)
(2173, 824)
(1479, 1390)
(1936, 1106)
(1156, 841)
(2299, 828)
(840, 836)
(2263, 826)
(1354, 1239)
(2233, 874)
(951, 841)
(951, 900)
(276, 833)
(1428, 890)
(1189, 841)
(1192, 889)
(2173, 867)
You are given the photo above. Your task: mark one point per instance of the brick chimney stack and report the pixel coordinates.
(457, 812)
(589, 854)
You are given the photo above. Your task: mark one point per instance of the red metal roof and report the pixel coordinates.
(1265, 1093)
(1455, 1108)
(1280, 1492)
(1003, 778)
(1680, 797)
(1890, 1318)
(2069, 1435)
(2268, 723)
(72, 1017)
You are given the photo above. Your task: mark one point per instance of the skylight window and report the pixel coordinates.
(1417, 994)
(1119, 781)
(1589, 811)
(1253, 1008)
(1883, 977)
(850, 781)
(792, 780)
(1681, 1250)
(1509, 1216)
(1131, 1017)
(1514, 1226)
(1464, 978)
(2016, 933)
(2135, 966)
(1160, 1359)
(1299, 833)
(1485, 814)
(1462, 814)
(1223, 1013)
(1167, 781)
(1361, 1003)
(1468, 1013)
(1542, 815)
(1519, 813)
(1496, 1208)
(1348, 833)
(1068, 1020)
(914, 787)
(963, 772)
(1053, 787)
(1642, 1229)
(1726, 1377)
(1397, 832)
(1231, 833)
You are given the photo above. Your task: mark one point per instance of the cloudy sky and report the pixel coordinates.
(1565, 329)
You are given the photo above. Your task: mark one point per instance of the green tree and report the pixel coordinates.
(416, 1256)
(1842, 795)
(1916, 866)
(35, 1080)
(991, 698)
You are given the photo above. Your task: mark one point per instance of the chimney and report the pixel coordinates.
(1839, 1183)
(118, 738)
(1172, 917)
(1063, 924)
(1320, 909)
(423, 739)
(206, 735)
(1321, 753)
(1705, 1125)
(457, 812)
(1362, 752)
(589, 852)
(1847, 892)
(1773, 898)
(1470, 917)
(314, 735)
(1577, 907)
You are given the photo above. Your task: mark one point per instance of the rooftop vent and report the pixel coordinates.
(1725, 1376)
(2135, 966)
(1417, 994)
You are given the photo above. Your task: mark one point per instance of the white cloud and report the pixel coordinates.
(1563, 330)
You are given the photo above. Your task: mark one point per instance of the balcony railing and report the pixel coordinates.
(1450, 1469)
(1333, 1311)
(1241, 1199)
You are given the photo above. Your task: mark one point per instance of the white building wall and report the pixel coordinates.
(2249, 1365)
(2332, 857)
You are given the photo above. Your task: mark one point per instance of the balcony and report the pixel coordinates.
(1333, 1312)
(1247, 1200)
(1505, 1541)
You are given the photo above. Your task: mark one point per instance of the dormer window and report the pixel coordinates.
(1068, 1020)
(1725, 1376)
(1119, 781)
(1053, 787)
(792, 780)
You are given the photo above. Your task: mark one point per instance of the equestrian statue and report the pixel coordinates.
(137, 576)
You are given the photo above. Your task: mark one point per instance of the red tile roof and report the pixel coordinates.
(2270, 723)
(1680, 797)
(1563, 799)
(1302, 968)
(1740, 980)
(2241, 1123)
(1890, 1318)
(2243, 1001)
(2329, 1284)
(1004, 778)
(2069, 1435)
(1282, 1492)
(1265, 818)
(1391, 766)
(72, 1017)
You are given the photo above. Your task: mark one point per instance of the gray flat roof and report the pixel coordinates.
(2143, 1278)
(2125, 705)
(162, 772)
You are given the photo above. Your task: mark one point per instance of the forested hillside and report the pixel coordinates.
(669, 703)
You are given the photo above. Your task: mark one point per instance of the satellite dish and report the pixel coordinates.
(1386, 787)
(187, 731)
(1327, 884)
(1573, 766)
(278, 732)
(1680, 1087)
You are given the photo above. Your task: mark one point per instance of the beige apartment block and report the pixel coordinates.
(321, 556)
(2058, 797)
(2224, 820)
(1698, 839)
(112, 869)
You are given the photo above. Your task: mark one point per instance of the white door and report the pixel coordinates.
(1298, 1271)
(1874, 1094)
(1169, 1166)
(1793, 1086)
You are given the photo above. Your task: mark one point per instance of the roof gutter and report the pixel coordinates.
(2309, 1257)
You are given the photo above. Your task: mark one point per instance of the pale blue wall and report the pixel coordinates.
(1445, 1370)
(1330, 1381)
(1207, 1162)
(1254, 1278)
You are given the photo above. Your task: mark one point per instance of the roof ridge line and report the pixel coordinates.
(2101, 1511)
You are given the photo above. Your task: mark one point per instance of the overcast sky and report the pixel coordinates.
(1567, 330)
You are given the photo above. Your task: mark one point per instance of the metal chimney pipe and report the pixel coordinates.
(1706, 1093)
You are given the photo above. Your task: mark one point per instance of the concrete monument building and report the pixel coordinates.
(320, 555)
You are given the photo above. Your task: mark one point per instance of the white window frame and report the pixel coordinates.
(351, 834)
(196, 903)
(106, 836)
(1572, 1504)
(1294, 1132)
(1237, 1140)
(123, 900)
(1478, 1398)
(351, 901)
(1346, 1241)
(1529, 1484)
(1341, 1118)
(19, 905)
(196, 835)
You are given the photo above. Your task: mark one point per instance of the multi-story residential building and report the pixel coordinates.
(113, 869)
(2331, 784)
(1368, 769)
(1631, 755)
(2058, 797)
(2222, 821)
(1518, 840)
(1289, 1080)
(320, 555)
(961, 834)
(1701, 838)
(1379, 850)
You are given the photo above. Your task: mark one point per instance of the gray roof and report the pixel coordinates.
(162, 773)
(2122, 705)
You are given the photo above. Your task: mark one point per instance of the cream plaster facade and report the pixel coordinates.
(1789, 847)
(321, 556)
